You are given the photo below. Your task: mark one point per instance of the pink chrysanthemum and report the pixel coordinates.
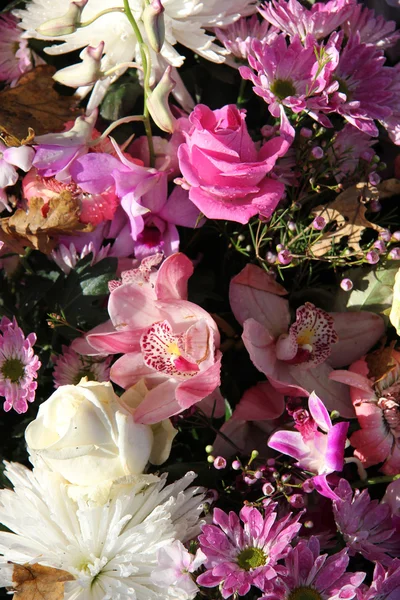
(70, 367)
(289, 75)
(366, 525)
(385, 584)
(311, 576)
(372, 28)
(15, 56)
(241, 556)
(18, 366)
(350, 150)
(320, 20)
(237, 37)
(364, 93)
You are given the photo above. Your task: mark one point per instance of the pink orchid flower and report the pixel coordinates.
(166, 340)
(318, 446)
(298, 358)
(377, 405)
(12, 159)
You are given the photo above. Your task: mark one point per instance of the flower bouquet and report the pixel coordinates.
(200, 300)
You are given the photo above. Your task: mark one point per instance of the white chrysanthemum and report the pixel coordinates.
(185, 23)
(110, 549)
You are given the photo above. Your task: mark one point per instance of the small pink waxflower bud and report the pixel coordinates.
(158, 105)
(271, 462)
(284, 257)
(84, 73)
(317, 152)
(258, 474)
(305, 132)
(270, 257)
(250, 479)
(318, 223)
(308, 486)
(374, 178)
(65, 24)
(291, 226)
(385, 235)
(380, 246)
(296, 500)
(268, 489)
(308, 524)
(153, 21)
(219, 462)
(372, 257)
(236, 466)
(346, 284)
(375, 206)
(394, 254)
(396, 236)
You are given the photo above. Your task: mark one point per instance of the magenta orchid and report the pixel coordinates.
(318, 445)
(225, 174)
(169, 342)
(298, 358)
(377, 404)
(240, 556)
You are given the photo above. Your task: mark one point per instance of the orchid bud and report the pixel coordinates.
(158, 105)
(153, 21)
(65, 24)
(84, 73)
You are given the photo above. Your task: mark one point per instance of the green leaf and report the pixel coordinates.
(373, 289)
(121, 99)
(94, 280)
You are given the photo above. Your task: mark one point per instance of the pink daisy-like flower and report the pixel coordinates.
(314, 577)
(320, 20)
(385, 584)
(18, 366)
(350, 149)
(15, 56)
(372, 28)
(366, 525)
(70, 367)
(175, 568)
(364, 93)
(239, 556)
(237, 37)
(290, 75)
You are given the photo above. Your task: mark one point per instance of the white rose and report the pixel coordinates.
(83, 433)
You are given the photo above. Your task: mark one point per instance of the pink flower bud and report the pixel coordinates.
(291, 226)
(158, 105)
(385, 235)
(65, 24)
(153, 21)
(396, 236)
(394, 254)
(317, 152)
(346, 284)
(268, 489)
(84, 73)
(296, 500)
(284, 257)
(374, 178)
(220, 462)
(305, 132)
(308, 486)
(236, 466)
(380, 246)
(270, 257)
(318, 223)
(372, 257)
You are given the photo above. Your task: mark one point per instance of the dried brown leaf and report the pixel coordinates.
(41, 225)
(37, 582)
(348, 211)
(35, 103)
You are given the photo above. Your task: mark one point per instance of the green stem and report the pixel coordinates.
(100, 14)
(375, 481)
(146, 70)
(241, 100)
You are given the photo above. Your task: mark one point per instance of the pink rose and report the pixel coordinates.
(226, 175)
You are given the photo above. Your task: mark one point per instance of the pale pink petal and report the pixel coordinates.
(361, 387)
(20, 157)
(197, 341)
(286, 346)
(290, 443)
(172, 278)
(260, 346)
(201, 385)
(82, 346)
(319, 412)
(181, 314)
(116, 342)
(8, 174)
(250, 298)
(130, 368)
(213, 405)
(259, 403)
(357, 332)
(159, 404)
(133, 306)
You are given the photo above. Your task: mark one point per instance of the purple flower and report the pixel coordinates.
(18, 366)
(318, 446)
(364, 93)
(350, 146)
(237, 37)
(315, 575)
(289, 75)
(385, 584)
(239, 556)
(293, 18)
(372, 28)
(15, 56)
(366, 525)
(70, 367)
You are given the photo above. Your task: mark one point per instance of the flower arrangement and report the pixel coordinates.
(200, 300)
